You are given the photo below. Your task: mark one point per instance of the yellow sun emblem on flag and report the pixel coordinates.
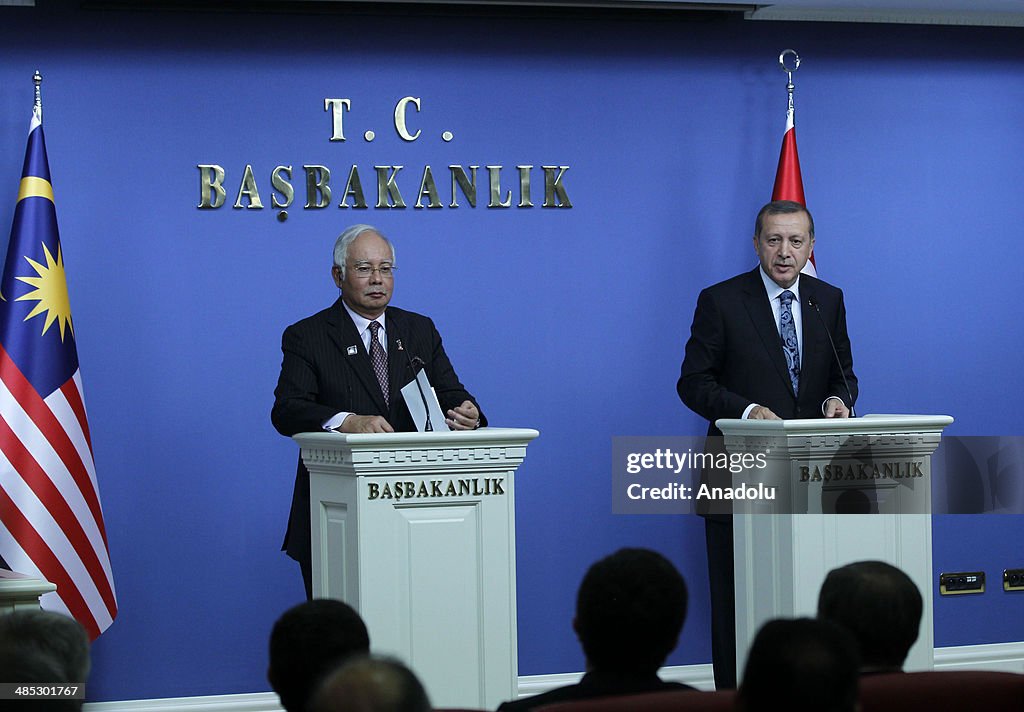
(51, 292)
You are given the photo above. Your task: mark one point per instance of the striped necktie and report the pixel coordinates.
(379, 361)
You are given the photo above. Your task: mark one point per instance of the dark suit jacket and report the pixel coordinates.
(595, 684)
(734, 356)
(319, 378)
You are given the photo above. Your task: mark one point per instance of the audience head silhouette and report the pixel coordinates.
(371, 684)
(307, 642)
(801, 665)
(880, 605)
(39, 646)
(629, 611)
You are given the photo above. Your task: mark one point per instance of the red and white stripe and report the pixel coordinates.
(51, 523)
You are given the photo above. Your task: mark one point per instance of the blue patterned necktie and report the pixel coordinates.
(787, 330)
(379, 361)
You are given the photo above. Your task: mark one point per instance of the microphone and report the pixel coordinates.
(849, 394)
(414, 365)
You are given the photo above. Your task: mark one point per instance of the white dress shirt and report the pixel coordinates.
(363, 327)
(774, 292)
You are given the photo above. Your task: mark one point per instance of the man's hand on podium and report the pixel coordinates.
(365, 424)
(759, 412)
(835, 408)
(464, 417)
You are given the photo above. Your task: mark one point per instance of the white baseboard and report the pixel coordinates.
(530, 685)
(1002, 657)
(254, 702)
(700, 676)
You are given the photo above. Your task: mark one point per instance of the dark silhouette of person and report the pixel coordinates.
(800, 665)
(372, 684)
(880, 605)
(630, 610)
(307, 642)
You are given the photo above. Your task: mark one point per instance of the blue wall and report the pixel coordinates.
(571, 321)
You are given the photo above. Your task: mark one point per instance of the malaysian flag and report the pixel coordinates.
(51, 523)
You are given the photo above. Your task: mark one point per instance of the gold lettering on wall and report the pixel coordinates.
(400, 123)
(506, 187)
(337, 107)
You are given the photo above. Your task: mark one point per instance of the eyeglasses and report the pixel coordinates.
(366, 271)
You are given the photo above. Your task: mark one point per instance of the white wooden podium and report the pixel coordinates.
(783, 549)
(416, 531)
(21, 591)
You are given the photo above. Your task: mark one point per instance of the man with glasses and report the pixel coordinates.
(344, 367)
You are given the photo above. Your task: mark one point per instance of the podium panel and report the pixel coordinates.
(416, 531)
(828, 471)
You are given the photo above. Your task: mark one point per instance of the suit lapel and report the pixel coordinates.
(813, 332)
(756, 301)
(399, 354)
(353, 353)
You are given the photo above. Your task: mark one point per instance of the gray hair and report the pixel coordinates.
(348, 237)
(782, 207)
(372, 684)
(53, 635)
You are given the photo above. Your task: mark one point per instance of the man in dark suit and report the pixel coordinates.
(760, 347)
(344, 367)
(629, 613)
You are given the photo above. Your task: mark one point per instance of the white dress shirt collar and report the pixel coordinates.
(774, 290)
(363, 327)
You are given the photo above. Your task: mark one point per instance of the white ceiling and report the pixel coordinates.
(945, 12)
(1008, 13)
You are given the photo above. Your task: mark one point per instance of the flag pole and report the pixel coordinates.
(789, 74)
(37, 107)
(789, 184)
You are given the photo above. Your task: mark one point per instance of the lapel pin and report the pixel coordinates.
(352, 350)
